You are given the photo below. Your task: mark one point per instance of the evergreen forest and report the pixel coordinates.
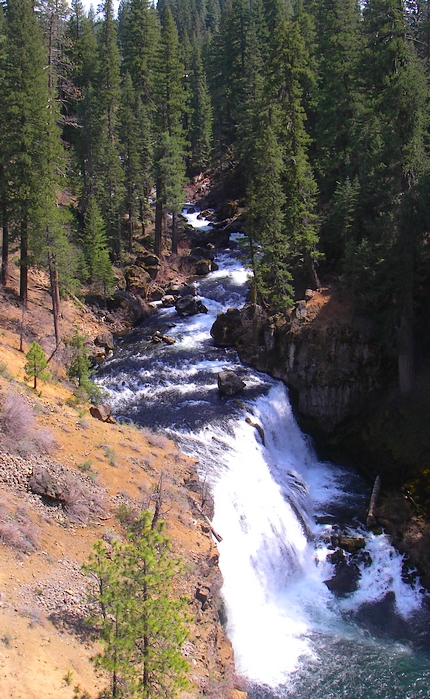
(312, 114)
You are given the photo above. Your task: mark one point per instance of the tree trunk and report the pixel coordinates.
(23, 271)
(55, 295)
(158, 216)
(174, 233)
(315, 282)
(4, 276)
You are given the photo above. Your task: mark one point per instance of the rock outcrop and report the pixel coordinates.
(332, 369)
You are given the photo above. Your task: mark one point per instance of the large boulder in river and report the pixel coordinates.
(105, 340)
(203, 267)
(189, 306)
(227, 330)
(229, 383)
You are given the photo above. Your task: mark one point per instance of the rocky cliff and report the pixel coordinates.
(334, 367)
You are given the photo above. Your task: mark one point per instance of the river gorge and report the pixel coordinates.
(306, 617)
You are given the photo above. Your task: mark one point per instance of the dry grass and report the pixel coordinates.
(17, 530)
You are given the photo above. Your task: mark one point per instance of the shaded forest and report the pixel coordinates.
(311, 114)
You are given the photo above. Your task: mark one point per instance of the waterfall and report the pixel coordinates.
(292, 636)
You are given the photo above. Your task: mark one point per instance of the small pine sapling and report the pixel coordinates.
(36, 364)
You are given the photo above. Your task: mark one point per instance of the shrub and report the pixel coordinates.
(4, 371)
(16, 417)
(19, 533)
(79, 502)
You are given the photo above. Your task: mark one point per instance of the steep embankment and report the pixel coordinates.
(110, 471)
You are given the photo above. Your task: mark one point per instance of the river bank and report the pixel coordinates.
(44, 649)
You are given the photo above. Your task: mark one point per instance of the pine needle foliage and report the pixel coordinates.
(36, 364)
(141, 624)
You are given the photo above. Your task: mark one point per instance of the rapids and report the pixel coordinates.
(292, 637)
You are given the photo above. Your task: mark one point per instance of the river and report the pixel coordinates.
(292, 636)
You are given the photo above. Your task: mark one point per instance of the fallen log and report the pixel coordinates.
(217, 536)
(370, 519)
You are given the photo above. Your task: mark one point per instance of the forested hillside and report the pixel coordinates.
(312, 114)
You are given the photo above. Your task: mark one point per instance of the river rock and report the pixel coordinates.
(202, 267)
(105, 340)
(189, 306)
(229, 383)
(129, 303)
(181, 290)
(156, 293)
(202, 253)
(168, 301)
(345, 579)
(227, 329)
(352, 544)
(258, 427)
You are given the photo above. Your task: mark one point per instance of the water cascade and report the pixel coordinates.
(293, 637)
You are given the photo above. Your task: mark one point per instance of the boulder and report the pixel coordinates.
(301, 311)
(129, 303)
(258, 427)
(189, 306)
(345, 579)
(168, 301)
(147, 259)
(156, 293)
(202, 253)
(42, 483)
(203, 267)
(352, 544)
(202, 594)
(227, 330)
(102, 412)
(105, 340)
(137, 279)
(181, 290)
(229, 383)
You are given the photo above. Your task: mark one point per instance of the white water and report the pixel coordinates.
(285, 625)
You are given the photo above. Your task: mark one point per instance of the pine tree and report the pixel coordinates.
(26, 127)
(130, 156)
(160, 630)
(396, 92)
(141, 623)
(109, 180)
(201, 115)
(337, 99)
(287, 65)
(96, 251)
(36, 364)
(112, 600)
(171, 98)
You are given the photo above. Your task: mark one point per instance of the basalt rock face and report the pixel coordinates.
(333, 370)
